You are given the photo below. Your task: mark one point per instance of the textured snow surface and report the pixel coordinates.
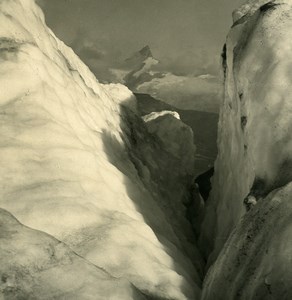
(249, 8)
(154, 115)
(256, 261)
(255, 159)
(34, 265)
(69, 168)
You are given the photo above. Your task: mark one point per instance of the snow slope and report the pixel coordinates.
(250, 202)
(70, 168)
(34, 265)
(256, 261)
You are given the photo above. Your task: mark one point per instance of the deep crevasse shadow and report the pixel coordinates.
(147, 171)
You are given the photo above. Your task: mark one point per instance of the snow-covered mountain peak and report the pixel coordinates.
(141, 68)
(139, 57)
(146, 51)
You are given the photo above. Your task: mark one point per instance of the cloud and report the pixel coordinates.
(91, 53)
(187, 92)
(96, 55)
(192, 62)
(185, 35)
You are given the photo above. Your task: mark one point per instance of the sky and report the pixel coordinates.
(186, 36)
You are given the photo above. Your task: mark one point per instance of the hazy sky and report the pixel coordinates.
(185, 35)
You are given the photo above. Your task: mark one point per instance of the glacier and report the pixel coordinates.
(97, 202)
(35, 265)
(247, 231)
(73, 167)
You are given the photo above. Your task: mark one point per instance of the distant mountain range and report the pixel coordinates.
(193, 97)
(199, 93)
(140, 65)
(139, 57)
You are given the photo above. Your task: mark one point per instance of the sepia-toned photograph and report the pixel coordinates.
(145, 149)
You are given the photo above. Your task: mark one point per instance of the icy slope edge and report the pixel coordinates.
(65, 162)
(249, 205)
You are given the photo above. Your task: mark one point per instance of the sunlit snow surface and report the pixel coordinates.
(34, 265)
(255, 160)
(66, 170)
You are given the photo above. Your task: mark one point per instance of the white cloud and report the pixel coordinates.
(187, 92)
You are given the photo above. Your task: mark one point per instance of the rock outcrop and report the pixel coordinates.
(175, 136)
(141, 68)
(203, 124)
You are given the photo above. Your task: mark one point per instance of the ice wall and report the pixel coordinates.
(255, 158)
(70, 168)
(256, 261)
